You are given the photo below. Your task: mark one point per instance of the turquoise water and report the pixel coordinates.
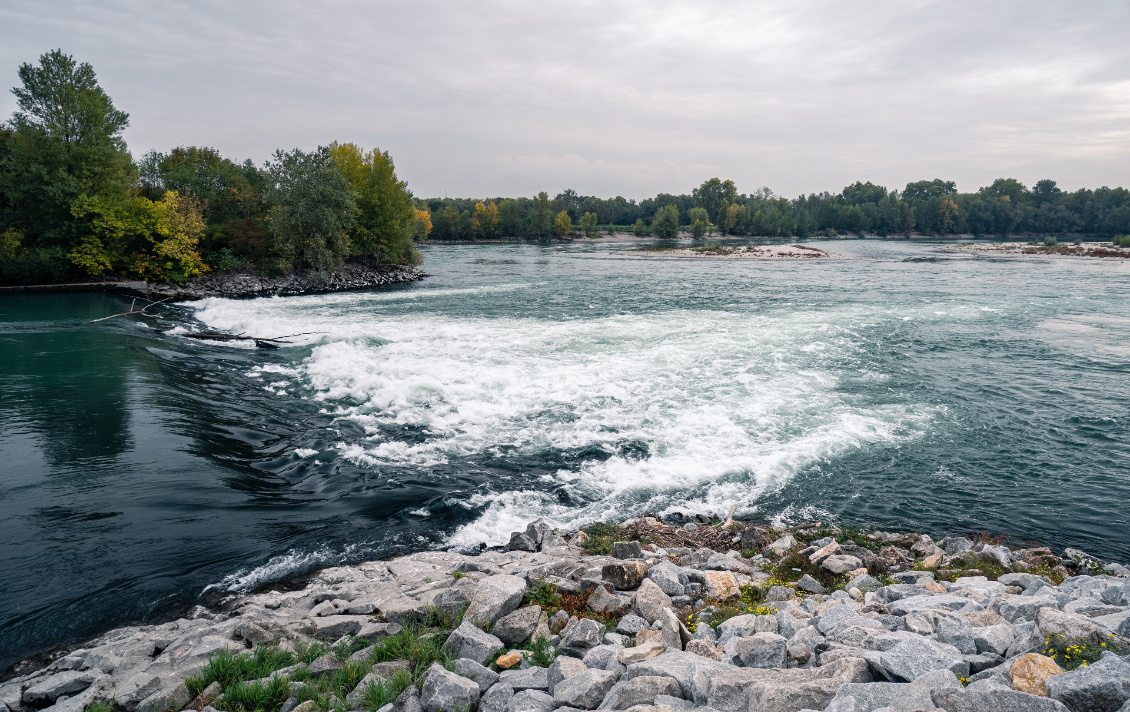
(904, 388)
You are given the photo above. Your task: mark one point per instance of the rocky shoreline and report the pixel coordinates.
(649, 616)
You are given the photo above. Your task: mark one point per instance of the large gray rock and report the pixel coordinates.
(650, 601)
(469, 642)
(760, 650)
(841, 563)
(1051, 621)
(530, 701)
(912, 658)
(673, 634)
(670, 578)
(409, 701)
(451, 601)
(604, 601)
(1102, 686)
(563, 667)
(764, 690)
(603, 657)
(833, 616)
(484, 677)
(495, 699)
(640, 691)
(1013, 608)
(516, 627)
(173, 695)
(911, 604)
(626, 550)
(444, 690)
(868, 696)
(993, 638)
(532, 678)
(583, 691)
(581, 637)
(692, 672)
(996, 700)
(631, 624)
(494, 597)
(46, 691)
(807, 583)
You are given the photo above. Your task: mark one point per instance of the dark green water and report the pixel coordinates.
(906, 389)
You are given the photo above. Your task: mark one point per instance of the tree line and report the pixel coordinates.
(932, 207)
(75, 205)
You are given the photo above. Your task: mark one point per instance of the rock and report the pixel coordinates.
(563, 667)
(640, 691)
(841, 564)
(521, 541)
(832, 617)
(630, 624)
(762, 690)
(692, 672)
(143, 684)
(625, 575)
(779, 593)
(45, 692)
(1102, 686)
(253, 634)
(402, 610)
(516, 627)
(639, 653)
(532, 678)
(407, 701)
(582, 636)
(781, 546)
(505, 662)
(993, 639)
(919, 603)
(720, 585)
(356, 698)
(451, 601)
(602, 601)
(558, 622)
(325, 664)
(914, 657)
(649, 636)
(173, 696)
(867, 696)
(1013, 608)
(824, 552)
(1028, 672)
(761, 650)
(443, 690)
(670, 579)
(650, 600)
(996, 700)
(705, 648)
(673, 634)
(1051, 621)
(807, 583)
(583, 691)
(469, 642)
(494, 597)
(496, 699)
(604, 657)
(626, 550)
(484, 677)
(530, 701)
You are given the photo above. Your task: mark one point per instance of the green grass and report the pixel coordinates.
(602, 536)
(99, 707)
(1072, 654)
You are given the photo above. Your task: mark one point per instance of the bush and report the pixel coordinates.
(224, 261)
(641, 229)
(666, 224)
(1051, 242)
(1121, 240)
(1071, 654)
(45, 265)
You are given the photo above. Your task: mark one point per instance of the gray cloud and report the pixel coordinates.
(631, 98)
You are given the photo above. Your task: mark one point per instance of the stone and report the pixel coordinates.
(781, 546)
(532, 678)
(763, 690)
(496, 699)
(807, 583)
(630, 624)
(444, 690)
(357, 697)
(253, 634)
(779, 593)
(914, 657)
(584, 691)
(173, 696)
(911, 604)
(760, 650)
(494, 597)
(705, 648)
(1013, 608)
(484, 677)
(507, 661)
(407, 701)
(1076, 628)
(824, 552)
(470, 642)
(626, 550)
(521, 541)
(563, 667)
(673, 634)
(868, 696)
(840, 564)
(604, 601)
(516, 627)
(624, 575)
(402, 610)
(692, 672)
(670, 579)
(996, 700)
(46, 691)
(1028, 672)
(604, 657)
(832, 617)
(530, 701)
(582, 636)
(649, 636)
(1102, 686)
(640, 652)
(558, 622)
(452, 601)
(324, 665)
(141, 685)
(720, 585)
(640, 691)
(650, 600)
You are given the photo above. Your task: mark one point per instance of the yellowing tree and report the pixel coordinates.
(180, 222)
(947, 216)
(563, 224)
(423, 225)
(484, 221)
(386, 215)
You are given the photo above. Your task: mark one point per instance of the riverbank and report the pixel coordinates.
(351, 276)
(1083, 249)
(648, 615)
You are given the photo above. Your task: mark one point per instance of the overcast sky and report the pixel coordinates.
(631, 98)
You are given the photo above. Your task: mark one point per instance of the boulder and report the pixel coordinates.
(995, 700)
(841, 564)
(914, 657)
(407, 701)
(470, 642)
(563, 667)
(517, 626)
(1102, 686)
(761, 650)
(1028, 673)
(1076, 628)
(639, 653)
(720, 585)
(807, 583)
(993, 638)
(532, 678)
(824, 552)
(583, 691)
(911, 604)
(781, 546)
(444, 690)
(603, 601)
(626, 550)
(640, 691)
(494, 597)
(173, 695)
(324, 665)
(604, 657)
(630, 624)
(650, 600)
(46, 691)
(624, 575)
(530, 701)
(484, 677)
(582, 636)
(451, 601)
(495, 699)
(670, 579)
(867, 696)
(705, 648)
(673, 634)
(692, 672)
(1013, 608)
(402, 609)
(764, 690)
(832, 617)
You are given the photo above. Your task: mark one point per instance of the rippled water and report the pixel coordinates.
(905, 388)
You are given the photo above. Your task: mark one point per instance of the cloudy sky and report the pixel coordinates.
(630, 98)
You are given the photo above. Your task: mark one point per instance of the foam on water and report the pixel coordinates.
(689, 410)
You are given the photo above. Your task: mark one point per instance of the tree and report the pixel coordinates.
(861, 193)
(737, 216)
(485, 220)
(386, 212)
(641, 229)
(67, 144)
(925, 189)
(448, 225)
(700, 220)
(710, 195)
(423, 225)
(588, 224)
(666, 223)
(180, 223)
(312, 208)
(563, 224)
(947, 216)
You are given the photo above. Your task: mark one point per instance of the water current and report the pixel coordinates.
(905, 388)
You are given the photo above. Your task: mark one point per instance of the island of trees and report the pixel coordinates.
(76, 206)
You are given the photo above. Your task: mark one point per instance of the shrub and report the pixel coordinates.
(641, 229)
(1073, 653)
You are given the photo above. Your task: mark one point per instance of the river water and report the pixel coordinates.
(905, 388)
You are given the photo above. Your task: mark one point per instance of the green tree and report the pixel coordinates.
(313, 209)
(710, 195)
(924, 189)
(67, 144)
(641, 229)
(386, 212)
(563, 224)
(666, 223)
(700, 220)
(860, 193)
(588, 224)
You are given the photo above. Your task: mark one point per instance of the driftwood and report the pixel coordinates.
(131, 311)
(263, 342)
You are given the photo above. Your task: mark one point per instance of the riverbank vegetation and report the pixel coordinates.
(76, 206)
(930, 207)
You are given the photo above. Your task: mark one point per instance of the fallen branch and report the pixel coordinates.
(131, 311)
(263, 342)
